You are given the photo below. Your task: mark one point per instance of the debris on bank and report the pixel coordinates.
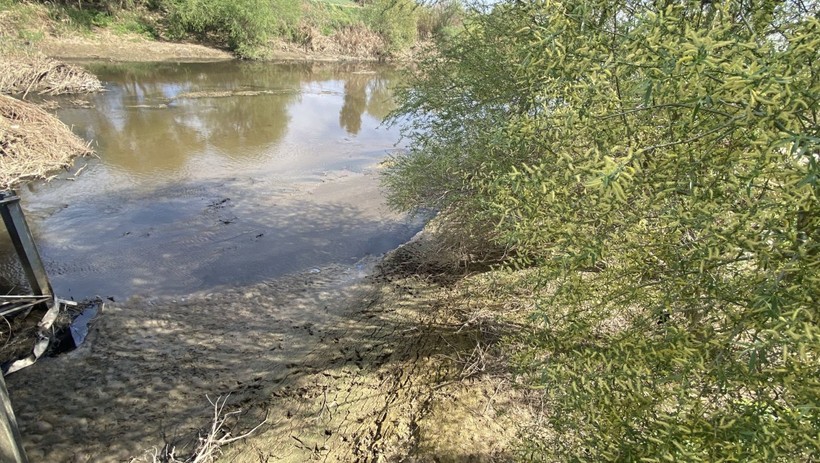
(33, 143)
(60, 329)
(27, 73)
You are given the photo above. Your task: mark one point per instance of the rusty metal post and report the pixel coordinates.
(11, 446)
(23, 241)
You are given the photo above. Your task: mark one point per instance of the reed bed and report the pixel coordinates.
(33, 143)
(24, 73)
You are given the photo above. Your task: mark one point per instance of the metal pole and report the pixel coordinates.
(11, 447)
(23, 241)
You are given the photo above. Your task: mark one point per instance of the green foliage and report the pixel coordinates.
(441, 19)
(128, 22)
(243, 25)
(329, 17)
(394, 20)
(80, 19)
(658, 164)
(106, 6)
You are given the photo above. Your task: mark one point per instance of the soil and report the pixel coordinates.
(135, 48)
(125, 47)
(343, 363)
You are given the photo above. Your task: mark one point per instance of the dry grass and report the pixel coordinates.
(33, 143)
(24, 73)
(359, 41)
(352, 41)
(313, 40)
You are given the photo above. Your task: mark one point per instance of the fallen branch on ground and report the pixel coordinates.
(209, 444)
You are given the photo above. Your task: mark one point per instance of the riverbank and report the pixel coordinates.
(371, 362)
(106, 45)
(326, 31)
(377, 361)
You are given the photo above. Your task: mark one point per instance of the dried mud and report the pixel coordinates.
(109, 46)
(341, 364)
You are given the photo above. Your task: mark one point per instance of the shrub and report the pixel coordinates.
(440, 19)
(77, 19)
(657, 164)
(126, 22)
(330, 17)
(394, 20)
(242, 25)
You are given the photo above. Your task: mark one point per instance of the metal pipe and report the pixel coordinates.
(11, 447)
(23, 241)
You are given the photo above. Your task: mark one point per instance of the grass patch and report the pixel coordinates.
(21, 24)
(331, 16)
(129, 22)
(71, 19)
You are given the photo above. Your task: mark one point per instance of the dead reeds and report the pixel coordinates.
(359, 41)
(33, 143)
(22, 73)
(352, 41)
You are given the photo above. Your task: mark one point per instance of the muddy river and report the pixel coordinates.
(216, 174)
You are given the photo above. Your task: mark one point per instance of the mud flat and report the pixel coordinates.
(342, 363)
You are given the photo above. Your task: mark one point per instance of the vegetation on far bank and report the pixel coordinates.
(647, 174)
(250, 28)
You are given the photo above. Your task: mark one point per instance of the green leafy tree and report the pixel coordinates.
(655, 163)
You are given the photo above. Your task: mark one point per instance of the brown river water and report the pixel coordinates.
(215, 175)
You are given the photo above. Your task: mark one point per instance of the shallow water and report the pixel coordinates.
(216, 174)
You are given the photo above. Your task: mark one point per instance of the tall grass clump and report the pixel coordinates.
(329, 17)
(655, 166)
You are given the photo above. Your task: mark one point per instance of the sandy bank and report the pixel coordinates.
(133, 48)
(108, 46)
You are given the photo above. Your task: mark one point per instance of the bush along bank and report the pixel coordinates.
(252, 29)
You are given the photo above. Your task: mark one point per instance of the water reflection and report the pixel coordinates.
(173, 139)
(363, 92)
(160, 120)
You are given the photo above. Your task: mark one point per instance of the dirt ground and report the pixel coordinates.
(118, 47)
(343, 363)
(130, 47)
